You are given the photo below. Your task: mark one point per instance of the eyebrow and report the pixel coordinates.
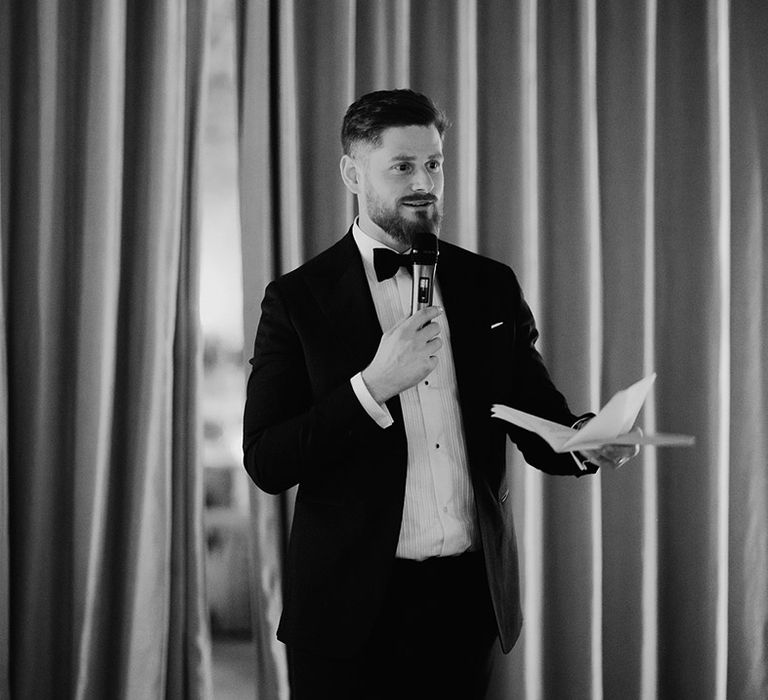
(405, 156)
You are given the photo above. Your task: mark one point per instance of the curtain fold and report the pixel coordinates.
(260, 214)
(5, 688)
(747, 641)
(614, 154)
(100, 111)
(189, 655)
(626, 75)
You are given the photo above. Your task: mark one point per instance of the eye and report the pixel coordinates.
(434, 165)
(402, 167)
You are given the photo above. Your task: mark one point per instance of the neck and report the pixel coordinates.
(379, 234)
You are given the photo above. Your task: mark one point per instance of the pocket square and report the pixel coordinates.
(497, 324)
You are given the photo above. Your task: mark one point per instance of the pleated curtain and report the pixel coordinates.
(614, 154)
(101, 586)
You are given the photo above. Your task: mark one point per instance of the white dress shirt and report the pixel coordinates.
(439, 511)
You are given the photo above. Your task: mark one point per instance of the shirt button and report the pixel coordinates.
(445, 509)
(437, 445)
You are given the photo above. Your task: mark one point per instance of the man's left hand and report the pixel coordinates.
(613, 456)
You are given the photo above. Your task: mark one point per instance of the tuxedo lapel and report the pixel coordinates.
(462, 302)
(465, 315)
(342, 292)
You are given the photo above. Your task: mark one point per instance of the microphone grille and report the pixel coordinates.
(424, 247)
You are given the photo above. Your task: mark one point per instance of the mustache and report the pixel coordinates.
(418, 198)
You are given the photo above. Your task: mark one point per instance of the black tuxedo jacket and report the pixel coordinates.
(304, 425)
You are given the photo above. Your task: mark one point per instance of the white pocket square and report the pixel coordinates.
(497, 324)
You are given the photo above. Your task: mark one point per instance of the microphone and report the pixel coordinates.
(424, 255)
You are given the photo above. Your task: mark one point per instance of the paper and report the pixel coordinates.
(611, 426)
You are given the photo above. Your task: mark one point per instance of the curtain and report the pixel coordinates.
(101, 497)
(614, 154)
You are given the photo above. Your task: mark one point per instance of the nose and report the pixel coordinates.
(422, 180)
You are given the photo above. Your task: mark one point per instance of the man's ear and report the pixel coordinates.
(350, 173)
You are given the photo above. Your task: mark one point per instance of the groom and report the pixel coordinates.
(401, 568)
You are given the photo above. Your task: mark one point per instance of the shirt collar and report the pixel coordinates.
(366, 245)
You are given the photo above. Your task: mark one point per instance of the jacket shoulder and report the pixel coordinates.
(330, 263)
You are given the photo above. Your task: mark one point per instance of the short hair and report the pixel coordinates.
(369, 115)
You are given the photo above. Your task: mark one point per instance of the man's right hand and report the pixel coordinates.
(405, 356)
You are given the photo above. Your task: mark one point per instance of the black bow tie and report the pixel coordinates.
(387, 262)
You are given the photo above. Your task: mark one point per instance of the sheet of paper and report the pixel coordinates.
(611, 426)
(615, 418)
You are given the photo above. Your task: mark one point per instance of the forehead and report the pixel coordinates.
(413, 141)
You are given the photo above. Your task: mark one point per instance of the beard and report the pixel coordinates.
(398, 227)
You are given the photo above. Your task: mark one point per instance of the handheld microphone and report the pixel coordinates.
(424, 255)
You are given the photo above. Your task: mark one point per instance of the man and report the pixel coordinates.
(402, 564)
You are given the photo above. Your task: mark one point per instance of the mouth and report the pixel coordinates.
(418, 203)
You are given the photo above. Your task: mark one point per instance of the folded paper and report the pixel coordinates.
(611, 426)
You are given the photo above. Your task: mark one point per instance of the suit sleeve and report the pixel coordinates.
(535, 393)
(291, 434)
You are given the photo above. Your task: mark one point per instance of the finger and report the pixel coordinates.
(423, 316)
(600, 458)
(620, 454)
(619, 451)
(601, 461)
(612, 452)
(430, 312)
(434, 344)
(428, 332)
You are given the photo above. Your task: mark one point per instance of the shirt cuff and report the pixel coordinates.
(581, 461)
(375, 410)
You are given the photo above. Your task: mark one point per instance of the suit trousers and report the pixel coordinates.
(434, 637)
